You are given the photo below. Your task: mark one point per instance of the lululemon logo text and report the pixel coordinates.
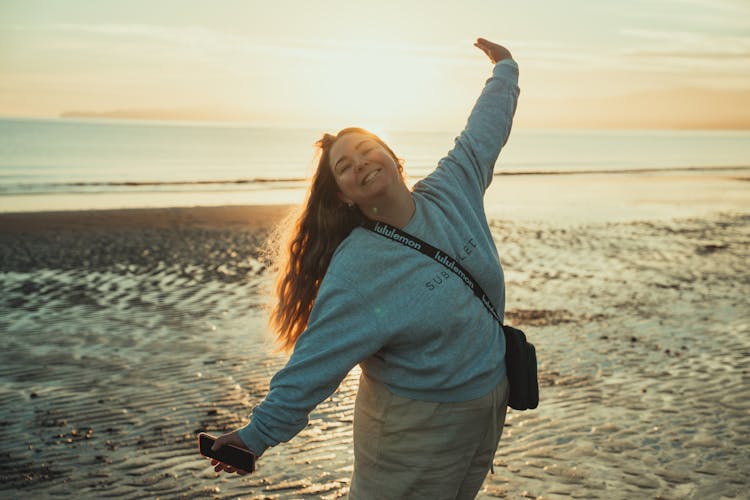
(451, 264)
(392, 234)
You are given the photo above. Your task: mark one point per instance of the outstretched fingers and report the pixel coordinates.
(494, 51)
(221, 466)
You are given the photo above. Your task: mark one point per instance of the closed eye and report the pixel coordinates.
(341, 168)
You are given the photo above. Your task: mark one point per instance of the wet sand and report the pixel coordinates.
(126, 333)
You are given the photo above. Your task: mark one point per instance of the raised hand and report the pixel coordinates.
(494, 51)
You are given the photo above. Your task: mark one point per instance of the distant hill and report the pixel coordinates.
(159, 114)
(676, 109)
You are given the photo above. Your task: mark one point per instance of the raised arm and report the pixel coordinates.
(471, 162)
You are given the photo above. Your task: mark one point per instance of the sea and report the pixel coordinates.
(73, 164)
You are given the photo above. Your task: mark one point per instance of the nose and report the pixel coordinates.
(360, 163)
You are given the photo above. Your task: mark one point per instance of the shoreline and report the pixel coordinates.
(560, 199)
(240, 217)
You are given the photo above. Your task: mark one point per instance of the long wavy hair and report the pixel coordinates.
(321, 226)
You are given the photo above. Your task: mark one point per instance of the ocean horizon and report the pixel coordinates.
(49, 164)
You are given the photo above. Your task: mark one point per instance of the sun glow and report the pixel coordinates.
(376, 91)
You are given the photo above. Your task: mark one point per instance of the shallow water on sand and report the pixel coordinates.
(115, 358)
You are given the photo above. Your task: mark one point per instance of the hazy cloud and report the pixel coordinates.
(723, 6)
(688, 51)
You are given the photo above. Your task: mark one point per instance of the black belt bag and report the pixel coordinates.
(520, 355)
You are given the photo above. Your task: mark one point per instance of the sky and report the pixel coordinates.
(397, 64)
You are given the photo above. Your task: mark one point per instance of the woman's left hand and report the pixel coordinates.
(231, 438)
(495, 52)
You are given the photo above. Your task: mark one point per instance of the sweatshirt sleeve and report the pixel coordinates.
(471, 162)
(341, 332)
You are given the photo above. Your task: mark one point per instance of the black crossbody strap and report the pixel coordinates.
(411, 241)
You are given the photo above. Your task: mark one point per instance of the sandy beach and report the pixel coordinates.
(128, 332)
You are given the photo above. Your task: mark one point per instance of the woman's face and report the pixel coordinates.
(363, 168)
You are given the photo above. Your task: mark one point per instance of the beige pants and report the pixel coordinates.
(406, 449)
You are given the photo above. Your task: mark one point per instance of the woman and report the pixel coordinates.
(433, 392)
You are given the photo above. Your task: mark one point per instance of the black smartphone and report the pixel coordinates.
(239, 458)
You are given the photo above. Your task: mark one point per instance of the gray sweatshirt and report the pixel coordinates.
(408, 321)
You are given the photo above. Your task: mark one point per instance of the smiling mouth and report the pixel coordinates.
(369, 177)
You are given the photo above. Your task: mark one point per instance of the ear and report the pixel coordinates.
(344, 199)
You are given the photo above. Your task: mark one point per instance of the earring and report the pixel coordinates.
(350, 204)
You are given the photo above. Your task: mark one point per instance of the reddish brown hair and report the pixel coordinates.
(319, 229)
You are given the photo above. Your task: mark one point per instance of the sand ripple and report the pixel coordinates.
(119, 349)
